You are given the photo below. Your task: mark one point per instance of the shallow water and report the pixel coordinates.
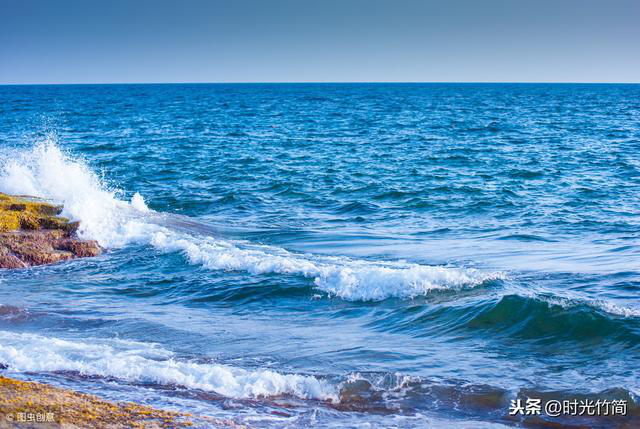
(393, 255)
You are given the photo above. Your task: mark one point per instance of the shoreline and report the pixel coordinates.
(32, 232)
(29, 404)
(36, 405)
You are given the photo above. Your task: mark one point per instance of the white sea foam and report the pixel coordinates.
(148, 363)
(346, 278)
(615, 309)
(600, 304)
(45, 171)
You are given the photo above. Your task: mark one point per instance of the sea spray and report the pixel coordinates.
(347, 278)
(46, 172)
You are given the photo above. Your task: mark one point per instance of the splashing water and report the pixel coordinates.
(46, 171)
(141, 362)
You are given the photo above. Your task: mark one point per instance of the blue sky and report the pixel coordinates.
(65, 41)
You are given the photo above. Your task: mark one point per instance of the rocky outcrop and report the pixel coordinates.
(31, 405)
(32, 232)
(34, 405)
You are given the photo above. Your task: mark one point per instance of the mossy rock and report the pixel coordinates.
(32, 233)
(9, 221)
(31, 214)
(69, 409)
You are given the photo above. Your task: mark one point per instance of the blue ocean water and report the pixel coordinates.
(333, 255)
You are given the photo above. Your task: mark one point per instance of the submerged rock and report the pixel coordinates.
(33, 233)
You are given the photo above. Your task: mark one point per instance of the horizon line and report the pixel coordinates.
(315, 82)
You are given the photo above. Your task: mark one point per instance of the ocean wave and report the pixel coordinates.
(347, 278)
(538, 317)
(148, 363)
(46, 171)
(526, 316)
(608, 307)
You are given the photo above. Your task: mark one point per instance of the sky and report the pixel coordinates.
(118, 41)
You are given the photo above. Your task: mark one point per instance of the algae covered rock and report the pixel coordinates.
(54, 407)
(33, 233)
(26, 213)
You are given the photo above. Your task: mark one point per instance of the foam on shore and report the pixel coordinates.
(46, 171)
(148, 363)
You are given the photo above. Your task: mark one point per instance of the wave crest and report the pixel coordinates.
(46, 171)
(148, 363)
(346, 278)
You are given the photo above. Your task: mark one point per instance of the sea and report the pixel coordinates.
(334, 255)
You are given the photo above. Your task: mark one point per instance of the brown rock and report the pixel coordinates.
(79, 248)
(31, 233)
(58, 408)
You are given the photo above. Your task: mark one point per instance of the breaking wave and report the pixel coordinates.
(148, 363)
(46, 171)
